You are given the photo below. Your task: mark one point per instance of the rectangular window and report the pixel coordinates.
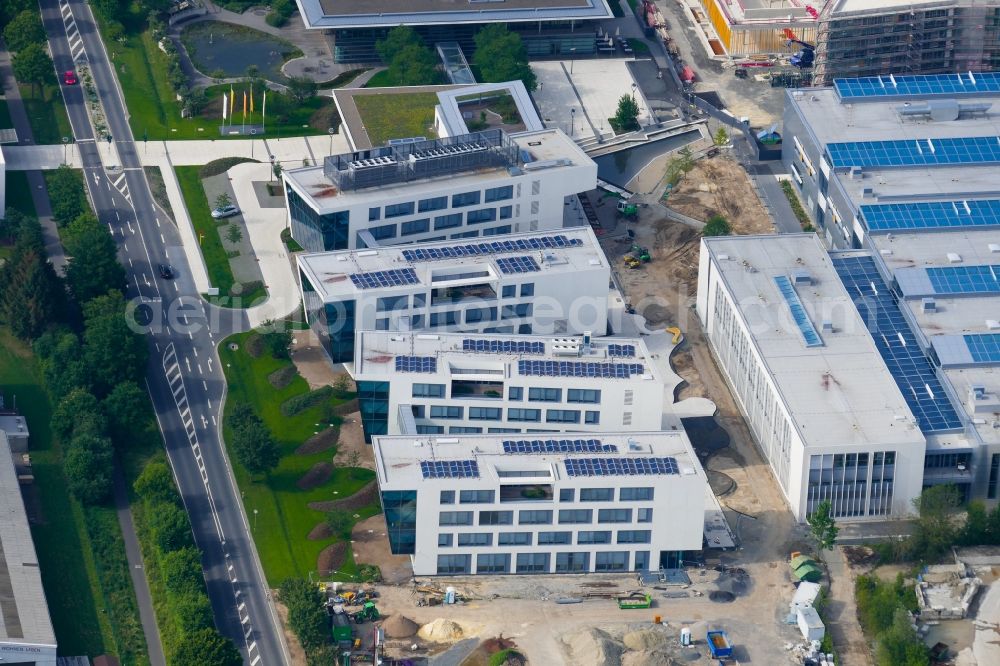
(496, 517)
(419, 300)
(527, 289)
(398, 210)
(503, 430)
(455, 518)
(567, 494)
(416, 321)
(476, 497)
(430, 429)
(454, 564)
(428, 390)
(382, 324)
(463, 430)
(497, 231)
(434, 203)
(447, 497)
(562, 416)
(446, 412)
(575, 516)
(444, 540)
(592, 396)
(592, 417)
(635, 495)
(496, 563)
(588, 537)
(614, 516)
(597, 494)
(418, 411)
(449, 318)
(485, 413)
(516, 311)
(499, 193)
(528, 563)
(515, 393)
(641, 560)
(392, 303)
(516, 414)
(508, 291)
(643, 515)
(481, 215)
(611, 561)
(534, 517)
(447, 221)
(464, 199)
(555, 538)
(991, 486)
(467, 234)
(634, 536)
(572, 562)
(506, 212)
(475, 539)
(415, 227)
(514, 539)
(536, 394)
(374, 214)
(383, 232)
(475, 315)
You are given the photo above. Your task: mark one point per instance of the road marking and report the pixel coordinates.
(241, 606)
(118, 216)
(187, 362)
(190, 335)
(195, 350)
(130, 262)
(204, 385)
(209, 403)
(176, 288)
(210, 365)
(129, 223)
(199, 369)
(213, 421)
(162, 239)
(157, 220)
(255, 661)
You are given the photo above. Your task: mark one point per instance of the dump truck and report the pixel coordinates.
(719, 645)
(635, 601)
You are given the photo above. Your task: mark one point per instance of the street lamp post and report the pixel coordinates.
(572, 121)
(255, 520)
(272, 168)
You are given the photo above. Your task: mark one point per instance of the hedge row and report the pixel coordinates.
(304, 401)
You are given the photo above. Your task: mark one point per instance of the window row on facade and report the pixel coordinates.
(631, 494)
(423, 225)
(517, 394)
(528, 563)
(519, 414)
(431, 204)
(583, 537)
(545, 517)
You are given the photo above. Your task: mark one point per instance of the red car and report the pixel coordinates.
(69, 78)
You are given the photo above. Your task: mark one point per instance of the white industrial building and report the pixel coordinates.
(451, 383)
(539, 283)
(823, 407)
(486, 504)
(468, 186)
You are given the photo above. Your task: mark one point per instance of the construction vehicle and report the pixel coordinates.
(627, 209)
(676, 332)
(719, 645)
(769, 137)
(640, 253)
(368, 613)
(635, 601)
(632, 262)
(342, 632)
(805, 57)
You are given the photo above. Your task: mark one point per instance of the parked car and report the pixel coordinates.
(166, 271)
(69, 78)
(225, 211)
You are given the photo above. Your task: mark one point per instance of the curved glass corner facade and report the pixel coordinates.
(315, 232)
(334, 322)
(400, 507)
(373, 402)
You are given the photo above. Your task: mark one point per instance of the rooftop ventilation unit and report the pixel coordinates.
(992, 324)
(566, 350)
(857, 173)
(994, 247)
(826, 326)
(868, 193)
(954, 258)
(802, 278)
(928, 305)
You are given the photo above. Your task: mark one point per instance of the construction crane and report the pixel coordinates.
(804, 58)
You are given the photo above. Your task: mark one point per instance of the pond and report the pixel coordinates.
(216, 46)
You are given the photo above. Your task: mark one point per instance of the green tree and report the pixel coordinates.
(501, 56)
(11, 8)
(302, 88)
(340, 523)
(626, 118)
(233, 234)
(155, 484)
(206, 646)
(716, 226)
(24, 29)
(395, 41)
(170, 525)
(306, 616)
(113, 352)
(899, 644)
(182, 572)
(242, 416)
(127, 409)
(822, 527)
(414, 66)
(935, 529)
(78, 405)
(62, 362)
(33, 295)
(87, 467)
(223, 200)
(93, 269)
(277, 340)
(66, 195)
(256, 449)
(33, 65)
(679, 165)
(721, 137)
(193, 612)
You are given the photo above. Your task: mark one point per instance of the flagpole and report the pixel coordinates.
(263, 112)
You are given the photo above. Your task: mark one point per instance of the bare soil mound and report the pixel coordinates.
(441, 631)
(317, 476)
(322, 441)
(282, 377)
(400, 626)
(331, 558)
(320, 532)
(362, 498)
(593, 646)
(254, 345)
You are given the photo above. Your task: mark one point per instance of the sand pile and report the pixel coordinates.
(441, 631)
(645, 639)
(593, 646)
(400, 626)
(648, 658)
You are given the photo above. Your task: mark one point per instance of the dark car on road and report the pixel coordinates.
(166, 271)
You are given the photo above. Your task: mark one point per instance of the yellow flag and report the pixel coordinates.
(232, 101)
(251, 101)
(244, 103)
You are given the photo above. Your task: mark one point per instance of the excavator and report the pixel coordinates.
(806, 55)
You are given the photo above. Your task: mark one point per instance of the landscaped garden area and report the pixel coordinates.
(397, 115)
(223, 50)
(288, 507)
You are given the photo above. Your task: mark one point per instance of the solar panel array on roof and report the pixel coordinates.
(579, 369)
(449, 469)
(390, 278)
(503, 346)
(964, 279)
(511, 265)
(984, 347)
(416, 364)
(620, 466)
(809, 333)
(490, 248)
(557, 446)
(897, 345)
(621, 351)
(933, 84)
(920, 152)
(931, 215)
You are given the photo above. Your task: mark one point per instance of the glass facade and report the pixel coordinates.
(373, 402)
(400, 507)
(315, 232)
(856, 484)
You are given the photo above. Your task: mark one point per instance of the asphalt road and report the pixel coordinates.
(184, 378)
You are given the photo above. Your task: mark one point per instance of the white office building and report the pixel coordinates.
(827, 411)
(487, 504)
(451, 383)
(469, 186)
(543, 283)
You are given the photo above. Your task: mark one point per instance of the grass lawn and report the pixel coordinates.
(47, 114)
(19, 192)
(381, 80)
(396, 116)
(283, 518)
(64, 552)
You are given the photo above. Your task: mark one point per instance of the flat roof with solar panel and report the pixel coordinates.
(923, 281)
(931, 215)
(972, 150)
(894, 85)
(970, 349)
